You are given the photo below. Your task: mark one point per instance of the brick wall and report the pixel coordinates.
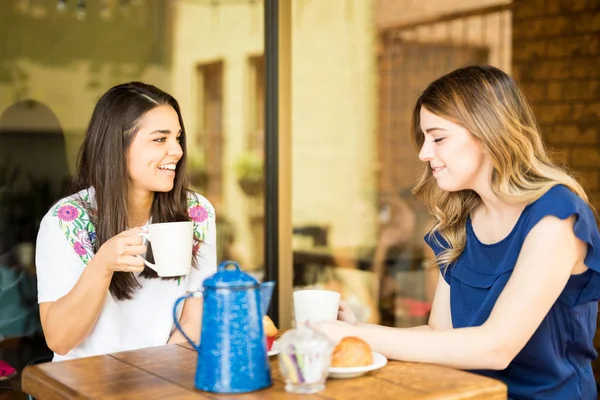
(556, 57)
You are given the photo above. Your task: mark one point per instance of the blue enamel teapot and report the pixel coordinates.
(232, 354)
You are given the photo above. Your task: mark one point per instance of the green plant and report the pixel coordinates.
(250, 167)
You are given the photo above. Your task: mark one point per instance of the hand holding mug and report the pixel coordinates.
(120, 253)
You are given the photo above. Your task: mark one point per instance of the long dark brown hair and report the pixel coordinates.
(102, 164)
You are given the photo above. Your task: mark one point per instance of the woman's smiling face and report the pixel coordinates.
(155, 151)
(457, 159)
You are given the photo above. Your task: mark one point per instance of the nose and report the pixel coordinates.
(176, 150)
(426, 154)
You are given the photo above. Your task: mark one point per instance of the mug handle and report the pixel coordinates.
(148, 263)
(179, 300)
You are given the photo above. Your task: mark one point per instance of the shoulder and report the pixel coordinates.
(560, 215)
(199, 208)
(70, 219)
(72, 209)
(561, 202)
(557, 211)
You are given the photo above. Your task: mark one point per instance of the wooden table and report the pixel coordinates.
(167, 372)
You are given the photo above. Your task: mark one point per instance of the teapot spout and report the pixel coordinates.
(266, 292)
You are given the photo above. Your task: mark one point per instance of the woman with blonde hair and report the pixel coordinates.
(516, 242)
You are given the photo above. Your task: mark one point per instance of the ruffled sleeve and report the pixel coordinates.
(562, 203)
(438, 244)
(586, 230)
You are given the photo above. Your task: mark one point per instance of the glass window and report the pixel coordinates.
(58, 57)
(358, 69)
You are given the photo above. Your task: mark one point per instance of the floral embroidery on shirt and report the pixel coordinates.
(67, 213)
(75, 223)
(200, 212)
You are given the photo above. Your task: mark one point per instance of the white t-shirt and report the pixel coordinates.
(64, 248)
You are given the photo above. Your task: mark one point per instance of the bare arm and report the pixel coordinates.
(69, 320)
(549, 255)
(441, 317)
(190, 321)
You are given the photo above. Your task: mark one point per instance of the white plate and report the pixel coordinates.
(274, 349)
(379, 361)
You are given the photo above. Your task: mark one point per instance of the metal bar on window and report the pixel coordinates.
(271, 10)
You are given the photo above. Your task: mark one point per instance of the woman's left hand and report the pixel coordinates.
(335, 330)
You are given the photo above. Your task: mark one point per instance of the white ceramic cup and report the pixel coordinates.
(315, 305)
(171, 247)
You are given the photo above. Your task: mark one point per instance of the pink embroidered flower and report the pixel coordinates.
(79, 249)
(67, 213)
(198, 214)
(195, 248)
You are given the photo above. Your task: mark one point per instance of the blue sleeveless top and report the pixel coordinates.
(556, 362)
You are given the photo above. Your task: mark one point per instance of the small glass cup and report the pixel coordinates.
(304, 359)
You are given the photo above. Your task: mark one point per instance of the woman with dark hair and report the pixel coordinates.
(515, 239)
(95, 294)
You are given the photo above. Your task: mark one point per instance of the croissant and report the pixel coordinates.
(352, 352)
(269, 326)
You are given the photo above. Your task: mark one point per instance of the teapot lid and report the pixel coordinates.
(229, 275)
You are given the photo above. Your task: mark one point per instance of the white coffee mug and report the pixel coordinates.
(171, 247)
(316, 305)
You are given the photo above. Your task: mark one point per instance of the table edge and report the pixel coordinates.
(33, 377)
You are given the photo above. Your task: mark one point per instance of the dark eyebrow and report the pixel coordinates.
(164, 131)
(435, 129)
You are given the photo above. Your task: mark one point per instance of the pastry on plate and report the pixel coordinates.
(270, 331)
(352, 352)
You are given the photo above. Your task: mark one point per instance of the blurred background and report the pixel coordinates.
(357, 68)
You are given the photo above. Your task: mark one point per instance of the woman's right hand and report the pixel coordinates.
(120, 253)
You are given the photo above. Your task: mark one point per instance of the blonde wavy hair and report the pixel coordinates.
(490, 105)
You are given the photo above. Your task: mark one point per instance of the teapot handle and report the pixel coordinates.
(175, 319)
(224, 264)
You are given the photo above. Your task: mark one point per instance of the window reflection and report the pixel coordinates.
(58, 57)
(33, 174)
(358, 69)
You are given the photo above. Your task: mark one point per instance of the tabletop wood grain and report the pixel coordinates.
(167, 372)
